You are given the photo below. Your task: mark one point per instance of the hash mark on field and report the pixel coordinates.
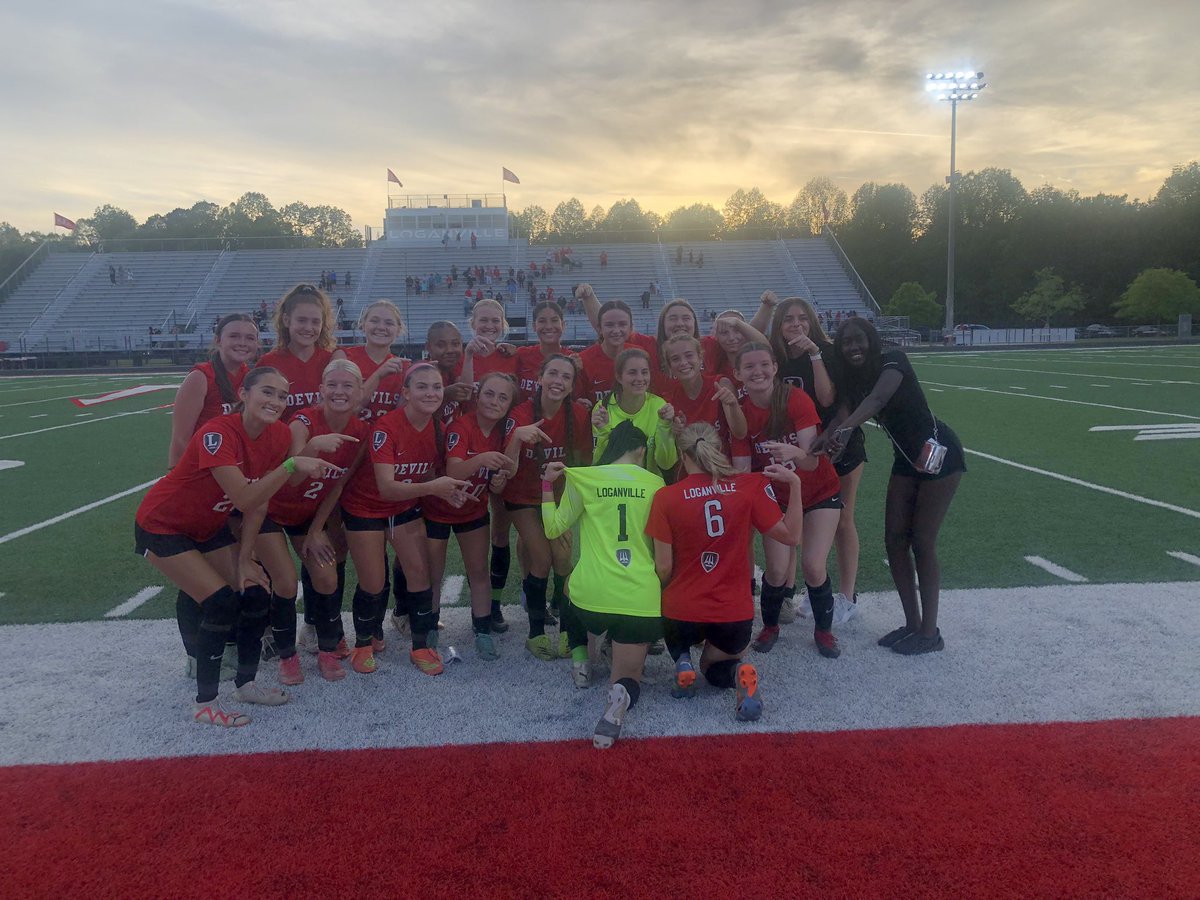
(1060, 386)
(82, 415)
(135, 412)
(124, 609)
(1059, 571)
(40, 416)
(21, 532)
(1013, 387)
(1178, 554)
(1149, 412)
(1141, 384)
(451, 589)
(1102, 385)
(937, 390)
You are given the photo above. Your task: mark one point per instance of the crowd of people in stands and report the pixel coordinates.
(693, 258)
(329, 280)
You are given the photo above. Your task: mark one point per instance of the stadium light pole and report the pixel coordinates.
(953, 88)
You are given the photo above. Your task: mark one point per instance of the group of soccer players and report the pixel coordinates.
(667, 451)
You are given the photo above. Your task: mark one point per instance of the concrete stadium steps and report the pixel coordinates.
(830, 285)
(255, 276)
(735, 274)
(37, 292)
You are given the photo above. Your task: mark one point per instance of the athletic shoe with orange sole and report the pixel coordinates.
(378, 645)
(290, 672)
(330, 666)
(749, 704)
(362, 660)
(685, 678)
(212, 713)
(427, 660)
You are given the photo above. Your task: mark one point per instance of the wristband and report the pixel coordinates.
(547, 486)
(816, 357)
(289, 465)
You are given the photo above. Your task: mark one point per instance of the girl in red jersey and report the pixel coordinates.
(698, 396)
(705, 570)
(334, 432)
(781, 424)
(211, 388)
(304, 344)
(181, 528)
(549, 426)
(444, 348)
(382, 371)
(381, 505)
(614, 324)
(474, 453)
(548, 326)
(485, 352)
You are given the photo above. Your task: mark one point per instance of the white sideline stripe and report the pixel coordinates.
(142, 596)
(950, 365)
(10, 464)
(1087, 484)
(1102, 385)
(1178, 554)
(43, 400)
(13, 535)
(1168, 436)
(1172, 426)
(135, 412)
(452, 589)
(1059, 571)
(40, 416)
(1061, 386)
(1149, 412)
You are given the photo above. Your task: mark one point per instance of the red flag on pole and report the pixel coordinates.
(392, 177)
(509, 176)
(63, 222)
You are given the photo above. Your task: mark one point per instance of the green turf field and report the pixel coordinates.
(1106, 506)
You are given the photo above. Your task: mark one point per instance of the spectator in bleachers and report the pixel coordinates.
(521, 278)
(323, 284)
(691, 258)
(121, 274)
(679, 255)
(700, 261)
(603, 259)
(347, 278)
(445, 240)
(339, 315)
(474, 240)
(112, 274)
(646, 299)
(332, 278)
(458, 237)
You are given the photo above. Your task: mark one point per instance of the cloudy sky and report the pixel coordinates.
(153, 105)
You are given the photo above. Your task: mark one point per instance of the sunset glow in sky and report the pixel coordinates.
(150, 106)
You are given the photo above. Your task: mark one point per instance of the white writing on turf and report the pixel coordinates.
(1053, 569)
(142, 596)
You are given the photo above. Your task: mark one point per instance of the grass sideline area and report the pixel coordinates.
(1115, 505)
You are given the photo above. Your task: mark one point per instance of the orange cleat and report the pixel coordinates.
(362, 660)
(427, 660)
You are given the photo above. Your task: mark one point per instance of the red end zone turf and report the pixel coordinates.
(1108, 808)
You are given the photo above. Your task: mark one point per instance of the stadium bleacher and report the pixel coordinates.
(69, 301)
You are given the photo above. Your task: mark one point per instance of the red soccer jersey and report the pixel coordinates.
(414, 455)
(525, 487)
(387, 393)
(294, 504)
(451, 409)
(818, 484)
(703, 409)
(529, 367)
(598, 375)
(304, 377)
(464, 440)
(188, 500)
(706, 526)
(214, 403)
(716, 362)
(495, 362)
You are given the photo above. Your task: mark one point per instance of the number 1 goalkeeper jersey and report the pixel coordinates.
(615, 573)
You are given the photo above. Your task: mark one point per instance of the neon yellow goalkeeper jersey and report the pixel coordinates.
(615, 573)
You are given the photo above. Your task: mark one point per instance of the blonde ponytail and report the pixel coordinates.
(701, 442)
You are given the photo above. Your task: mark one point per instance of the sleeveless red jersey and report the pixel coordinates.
(188, 500)
(387, 393)
(304, 377)
(706, 525)
(525, 486)
(214, 403)
(414, 456)
(464, 440)
(817, 484)
(294, 504)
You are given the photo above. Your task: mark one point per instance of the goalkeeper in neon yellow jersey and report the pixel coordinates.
(630, 401)
(614, 588)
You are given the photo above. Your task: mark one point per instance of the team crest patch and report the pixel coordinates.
(377, 439)
(770, 491)
(212, 442)
(624, 557)
(709, 560)
(452, 440)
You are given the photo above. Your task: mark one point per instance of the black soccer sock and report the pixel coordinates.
(634, 689)
(283, 621)
(771, 601)
(400, 589)
(501, 559)
(720, 674)
(327, 616)
(421, 617)
(253, 617)
(482, 624)
(535, 604)
(363, 606)
(821, 600)
(219, 615)
(789, 592)
(188, 616)
(560, 584)
(309, 593)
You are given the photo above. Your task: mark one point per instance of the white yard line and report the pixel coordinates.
(938, 390)
(21, 532)
(1178, 554)
(44, 400)
(1168, 436)
(40, 416)
(452, 589)
(1013, 387)
(1060, 386)
(10, 464)
(1056, 570)
(1104, 489)
(1102, 385)
(83, 415)
(135, 412)
(1171, 426)
(950, 365)
(142, 596)
(1149, 412)
(1141, 384)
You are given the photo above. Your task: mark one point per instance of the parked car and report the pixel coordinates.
(1148, 331)
(1099, 331)
(968, 327)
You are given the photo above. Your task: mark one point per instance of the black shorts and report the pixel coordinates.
(513, 507)
(440, 531)
(173, 544)
(270, 526)
(622, 629)
(834, 502)
(853, 456)
(381, 523)
(954, 462)
(731, 638)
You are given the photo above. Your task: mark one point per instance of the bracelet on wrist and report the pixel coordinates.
(289, 465)
(816, 357)
(547, 486)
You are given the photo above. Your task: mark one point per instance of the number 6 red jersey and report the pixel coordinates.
(188, 500)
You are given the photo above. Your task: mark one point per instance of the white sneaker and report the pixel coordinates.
(608, 729)
(804, 608)
(212, 713)
(787, 612)
(581, 674)
(843, 610)
(251, 692)
(306, 640)
(400, 623)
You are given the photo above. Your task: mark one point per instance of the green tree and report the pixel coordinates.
(698, 222)
(745, 210)
(921, 307)
(569, 220)
(627, 218)
(326, 226)
(1159, 295)
(251, 215)
(1048, 299)
(806, 213)
(532, 222)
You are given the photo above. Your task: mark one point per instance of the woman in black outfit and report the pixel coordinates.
(873, 382)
